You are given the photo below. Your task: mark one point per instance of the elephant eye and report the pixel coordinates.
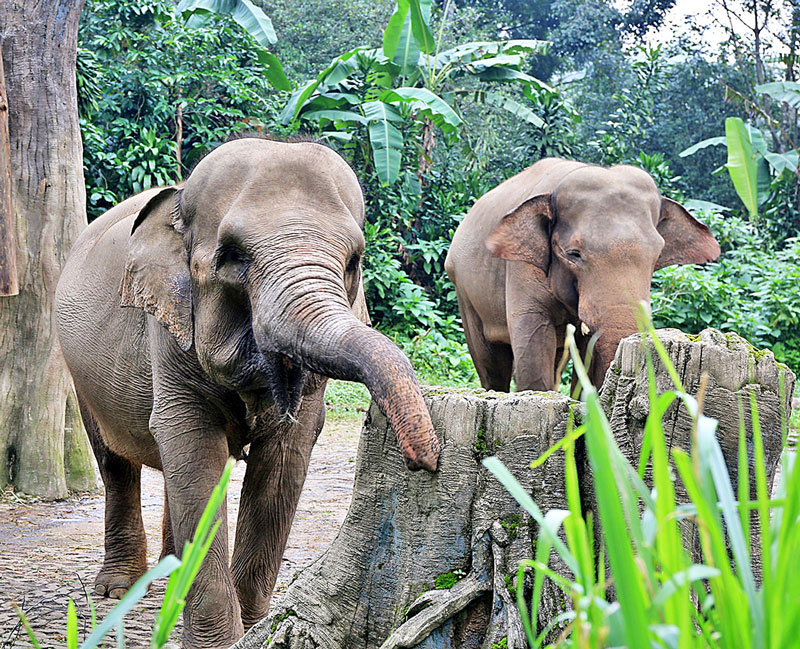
(229, 255)
(573, 255)
(352, 265)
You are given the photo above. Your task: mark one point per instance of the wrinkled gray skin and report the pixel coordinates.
(563, 242)
(249, 291)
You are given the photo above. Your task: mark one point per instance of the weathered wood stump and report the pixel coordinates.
(735, 370)
(429, 561)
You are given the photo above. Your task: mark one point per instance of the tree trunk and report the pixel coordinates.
(49, 207)
(428, 561)
(9, 285)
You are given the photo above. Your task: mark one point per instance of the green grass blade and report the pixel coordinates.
(627, 576)
(763, 498)
(194, 553)
(72, 626)
(131, 598)
(27, 626)
(553, 521)
(568, 439)
(713, 461)
(743, 476)
(733, 621)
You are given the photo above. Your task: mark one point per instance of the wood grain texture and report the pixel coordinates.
(735, 370)
(9, 284)
(376, 584)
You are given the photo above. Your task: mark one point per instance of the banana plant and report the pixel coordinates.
(369, 97)
(751, 166)
(252, 19)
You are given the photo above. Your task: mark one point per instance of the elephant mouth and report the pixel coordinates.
(285, 380)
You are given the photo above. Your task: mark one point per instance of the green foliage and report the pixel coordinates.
(481, 447)
(182, 574)
(511, 525)
(166, 87)
(346, 399)
(764, 180)
(662, 597)
(373, 98)
(448, 579)
(754, 289)
(623, 132)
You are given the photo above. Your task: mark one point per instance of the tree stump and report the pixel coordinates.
(429, 560)
(735, 370)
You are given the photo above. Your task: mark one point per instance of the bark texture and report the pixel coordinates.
(735, 370)
(49, 208)
(375, 587)
(9, 284)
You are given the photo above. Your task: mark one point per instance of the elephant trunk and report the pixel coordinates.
(610, 324)
(310, 323)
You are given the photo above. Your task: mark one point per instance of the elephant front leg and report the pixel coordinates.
(276, 470)
(194, 450)
(534, 342)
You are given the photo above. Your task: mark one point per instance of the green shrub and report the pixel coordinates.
(754, 289)
(144, 77)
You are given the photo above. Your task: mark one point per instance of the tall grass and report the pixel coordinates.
(182, 573)
(659, 596)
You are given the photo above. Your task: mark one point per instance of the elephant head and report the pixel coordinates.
(599, 236)
(254, 266)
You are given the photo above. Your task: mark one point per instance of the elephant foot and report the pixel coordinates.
(233, 633)
(114, 582)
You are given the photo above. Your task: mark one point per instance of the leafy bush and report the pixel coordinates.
(155, 95)
(754, 289)
(663, 599)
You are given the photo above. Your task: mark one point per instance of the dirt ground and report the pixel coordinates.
(50, 551)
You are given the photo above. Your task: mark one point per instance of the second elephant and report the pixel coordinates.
(563, 242)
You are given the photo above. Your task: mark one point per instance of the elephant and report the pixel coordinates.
(201, 318)
(563, 242)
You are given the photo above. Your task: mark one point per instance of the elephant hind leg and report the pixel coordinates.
(494, 362)
(125, 541)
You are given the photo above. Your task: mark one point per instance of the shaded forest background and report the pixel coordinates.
(155, 95)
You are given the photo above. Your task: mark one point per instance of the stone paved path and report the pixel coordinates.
(50, 551)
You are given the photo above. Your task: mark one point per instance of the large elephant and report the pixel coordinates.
(563, 242)
(248, 284)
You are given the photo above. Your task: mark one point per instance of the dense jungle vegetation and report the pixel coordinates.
(582, 79)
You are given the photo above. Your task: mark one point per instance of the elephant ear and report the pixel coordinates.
(156, 276)
(686, 240)
(524, 233)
